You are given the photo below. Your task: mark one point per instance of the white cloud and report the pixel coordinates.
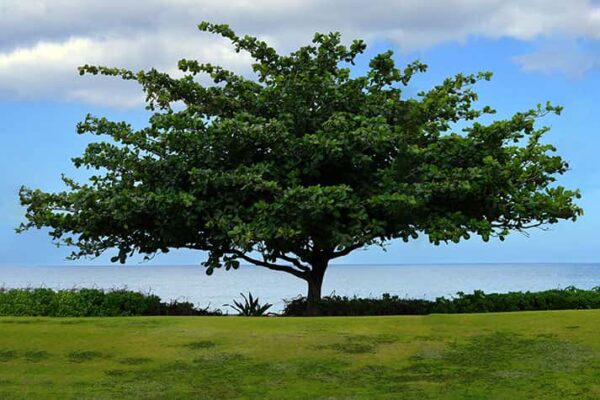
(43, 41)
(49, 69)
(565, 58)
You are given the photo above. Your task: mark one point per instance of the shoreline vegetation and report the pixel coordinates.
(47, 302)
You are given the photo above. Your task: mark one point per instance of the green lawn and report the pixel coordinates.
(533, 355)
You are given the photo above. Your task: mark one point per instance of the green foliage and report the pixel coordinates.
(569, 298)
(342, 305)
(250, 307)
(90, 303)
(303, 164)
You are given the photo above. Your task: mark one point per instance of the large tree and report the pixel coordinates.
(302, 164)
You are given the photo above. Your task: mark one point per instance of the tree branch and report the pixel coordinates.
(294, 261)
(347, 250)
(271, 266)
(517, 225)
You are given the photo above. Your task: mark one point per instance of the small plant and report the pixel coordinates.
(250, 307)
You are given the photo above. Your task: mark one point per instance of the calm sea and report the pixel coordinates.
(190, 283)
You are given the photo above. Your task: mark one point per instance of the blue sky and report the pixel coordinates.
(535, 54)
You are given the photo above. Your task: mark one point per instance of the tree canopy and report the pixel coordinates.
(302, 164)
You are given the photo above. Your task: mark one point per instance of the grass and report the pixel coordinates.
(541, 355)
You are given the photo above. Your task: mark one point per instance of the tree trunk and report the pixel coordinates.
(315, 282)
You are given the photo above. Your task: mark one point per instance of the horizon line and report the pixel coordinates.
(330, 265)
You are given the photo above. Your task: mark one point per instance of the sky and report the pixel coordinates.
(538, 50)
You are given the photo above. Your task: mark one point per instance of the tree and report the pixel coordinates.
(302, 165)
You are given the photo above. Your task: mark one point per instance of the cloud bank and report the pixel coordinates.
(43, 41)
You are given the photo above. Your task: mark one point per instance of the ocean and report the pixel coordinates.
(190, 283)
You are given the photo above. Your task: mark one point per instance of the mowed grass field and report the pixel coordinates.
(530, 355)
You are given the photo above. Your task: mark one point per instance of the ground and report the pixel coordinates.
(531, 355)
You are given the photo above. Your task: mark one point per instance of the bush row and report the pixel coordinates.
(90, 303)
(100, 303)
(569, 298)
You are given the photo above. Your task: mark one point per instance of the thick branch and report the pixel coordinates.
(346, 250)
(294, 261)
(271, 266)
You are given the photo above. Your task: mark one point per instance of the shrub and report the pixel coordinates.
(185, 308)
(342, 305)
(476, 302)
(90, 303)
(100, 303)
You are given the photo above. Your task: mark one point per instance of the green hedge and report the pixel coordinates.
(100, 303)
(90, 303)
(569, 298)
